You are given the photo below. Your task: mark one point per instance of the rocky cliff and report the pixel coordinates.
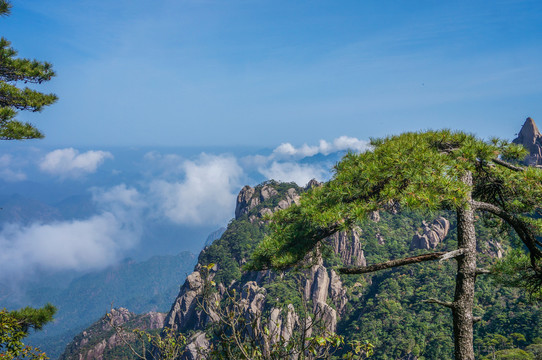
(530, 137)
(101, 342)
(432, 234)
(322, 288)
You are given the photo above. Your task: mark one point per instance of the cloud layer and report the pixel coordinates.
(69, 163)
(169, 188)
(287, 150)
(205, 195)
(301, 174)
(87, 244)
(76, 245)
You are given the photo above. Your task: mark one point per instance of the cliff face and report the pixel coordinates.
(322, 287)
(433, 234)
(530, 137)
(101, 342)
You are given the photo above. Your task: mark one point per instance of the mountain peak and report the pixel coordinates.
(530, 137)
(529, 130)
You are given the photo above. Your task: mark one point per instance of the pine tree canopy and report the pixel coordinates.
(13, 98)
(417, 171)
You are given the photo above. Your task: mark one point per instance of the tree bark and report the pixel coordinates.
(465, 280)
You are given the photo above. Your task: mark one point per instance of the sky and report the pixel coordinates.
(67, 209)
(262, 73)
(168, 108)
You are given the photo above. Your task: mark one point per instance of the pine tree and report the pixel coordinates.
(13, 98)
(427, 171)
(15, 325)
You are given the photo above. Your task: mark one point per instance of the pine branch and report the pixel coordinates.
(507, 165)
(452, 254)
(482, 272)
(522, 229)
(439, 302)
(391, 263)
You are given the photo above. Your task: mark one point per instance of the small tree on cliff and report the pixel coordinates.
(13, 72)
(421, 171)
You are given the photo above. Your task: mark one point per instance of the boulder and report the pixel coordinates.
(432, 234)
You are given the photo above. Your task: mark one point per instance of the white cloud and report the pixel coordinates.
(118, 197)
(7, 172)
(301, 174)
(69, 163)
(206, 195)
(87, 244)
(76, 245)
(287, 150)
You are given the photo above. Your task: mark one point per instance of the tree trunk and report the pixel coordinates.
(465, 280)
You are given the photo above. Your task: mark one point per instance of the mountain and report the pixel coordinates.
(19, 209)
(530, 137)
(387, 309)
(142, 286)
(102, 341)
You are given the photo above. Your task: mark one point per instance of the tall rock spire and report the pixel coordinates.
(530, 137)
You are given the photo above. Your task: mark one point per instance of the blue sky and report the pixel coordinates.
(200, 73)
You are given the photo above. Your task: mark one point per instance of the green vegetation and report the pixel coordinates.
(386, 308)
(139, 286)
(13, 98)
(14, 327)
(422, 172)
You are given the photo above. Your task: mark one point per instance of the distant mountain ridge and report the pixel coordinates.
(143, 286)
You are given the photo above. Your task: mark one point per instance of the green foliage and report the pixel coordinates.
(515, 270)
(513, 354)
(416, 171)
(251, 335)
(14, 327)
(235, 245)
(31, 318)
(13, 98)
(360, 350)
(536, 350)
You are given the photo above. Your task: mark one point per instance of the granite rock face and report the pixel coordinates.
(184, 314)
(245, 201)
(250, 198)
(432, 234)
(323, 287)
(530, 137)
(348, 247)
(98, 341)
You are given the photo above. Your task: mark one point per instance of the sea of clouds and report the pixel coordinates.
(153, 187)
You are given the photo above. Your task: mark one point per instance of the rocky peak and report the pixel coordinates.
(347, 245)
(100, 341)
(312, 184)
(245, 201)
(530, 137)
(432, 234)
(250, 198)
